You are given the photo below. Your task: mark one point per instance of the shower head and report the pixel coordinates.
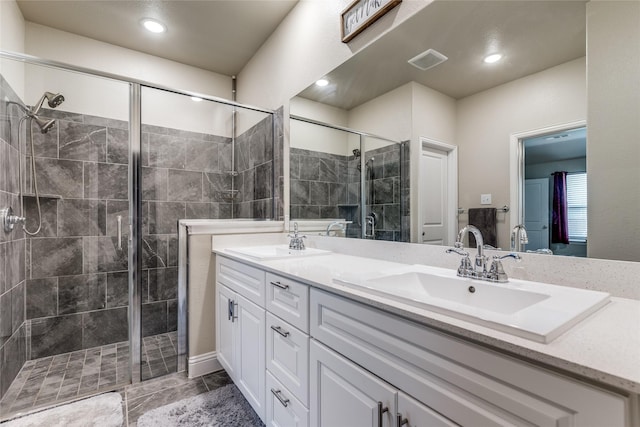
(53, 100)
(44, 124)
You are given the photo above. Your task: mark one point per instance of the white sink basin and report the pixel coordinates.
(531, 310)
(275, 252)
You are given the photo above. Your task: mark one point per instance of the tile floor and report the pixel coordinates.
(50, 380)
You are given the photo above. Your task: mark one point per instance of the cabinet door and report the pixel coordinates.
(225, 325)
(250, 366)
(343, 394)
(412, 413)
(283, 409)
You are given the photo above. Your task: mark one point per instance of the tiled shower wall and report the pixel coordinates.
(327, 186)
(12, 245)
(77, 292)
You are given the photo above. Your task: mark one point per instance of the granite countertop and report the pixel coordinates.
(605, 347)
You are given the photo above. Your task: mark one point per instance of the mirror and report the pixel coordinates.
(484, 110)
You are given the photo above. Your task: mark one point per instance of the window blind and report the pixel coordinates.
(577, 206)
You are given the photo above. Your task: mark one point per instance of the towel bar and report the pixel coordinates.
(505, 208)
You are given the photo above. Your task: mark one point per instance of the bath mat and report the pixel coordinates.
(224, 407)
(104, 410)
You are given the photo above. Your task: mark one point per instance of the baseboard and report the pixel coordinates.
(203, 364)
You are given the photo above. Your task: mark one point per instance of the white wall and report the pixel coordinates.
(12, 39)
(109, 99)
(613, 129)
(314, 137)
(487, 119)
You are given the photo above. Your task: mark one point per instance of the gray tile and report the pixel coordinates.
(184, 186)
(81, 293)
(164, 216)
(42, 297)
(163, 284)
(49, 211)
(117, 208)
(215, 184)
(101, 254)
(106, 181)
(46, 145)
(5, 318)
(138, 406)
(202, 155)
(117, 145)
(14, 263)
(383, 191)
(154, 318)
(82, 218)
(17, 307)
(117, 289)
(105, 327)
(319, 193)
(166, 151)
(154, 251)
(56, 257)
(55, 335)
(79, 141)
(216, 380)
(264, 181)
(299, 192)
(154, 184)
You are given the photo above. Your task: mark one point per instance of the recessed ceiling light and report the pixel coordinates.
(490, 59)
(322, 82)
(153, 25)
(196, 99)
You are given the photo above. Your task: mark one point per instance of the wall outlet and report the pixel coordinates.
(485, 199)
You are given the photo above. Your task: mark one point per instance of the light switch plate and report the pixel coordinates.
(485, 199)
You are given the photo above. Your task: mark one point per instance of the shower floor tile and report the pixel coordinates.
(54, 379)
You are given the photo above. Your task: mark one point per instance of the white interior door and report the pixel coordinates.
(536, 213)
(434, 199)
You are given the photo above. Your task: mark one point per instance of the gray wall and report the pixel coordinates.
(327, 186)
(12, 246)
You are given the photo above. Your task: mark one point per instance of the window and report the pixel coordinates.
(577, 206)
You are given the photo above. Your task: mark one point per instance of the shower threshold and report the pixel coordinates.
(49, 381)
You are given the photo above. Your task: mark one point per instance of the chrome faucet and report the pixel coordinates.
(339, 225)
(296, 243)
(518, 238)
(478, 269)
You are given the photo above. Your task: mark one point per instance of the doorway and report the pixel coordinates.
(552, 188)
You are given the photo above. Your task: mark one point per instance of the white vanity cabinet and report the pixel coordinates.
(240, 328)
(450, 378)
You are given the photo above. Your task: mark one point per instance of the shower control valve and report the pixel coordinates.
(9, 220)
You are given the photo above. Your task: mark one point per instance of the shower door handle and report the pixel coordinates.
(119, 222)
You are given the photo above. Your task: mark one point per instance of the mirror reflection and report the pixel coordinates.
(488, 115)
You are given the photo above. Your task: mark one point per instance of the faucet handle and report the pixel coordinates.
(510, 255)
(458, 250)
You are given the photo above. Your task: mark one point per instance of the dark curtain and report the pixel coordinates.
(559, 219)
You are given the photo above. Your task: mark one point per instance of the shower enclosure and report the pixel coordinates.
(89, 287)
(340, 174)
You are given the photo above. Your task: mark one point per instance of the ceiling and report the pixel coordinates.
(215, 35)
(532, 36)
(557, 146)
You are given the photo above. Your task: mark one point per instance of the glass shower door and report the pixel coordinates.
(68, 297)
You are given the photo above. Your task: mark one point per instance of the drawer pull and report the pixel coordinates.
(278, 395)
(280, 285)
(381, 411)
(401, 421)
(279, 330)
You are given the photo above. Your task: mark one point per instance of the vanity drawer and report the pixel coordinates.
(283, 409)
(289, 300)
(246, 280)
(288, 356)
